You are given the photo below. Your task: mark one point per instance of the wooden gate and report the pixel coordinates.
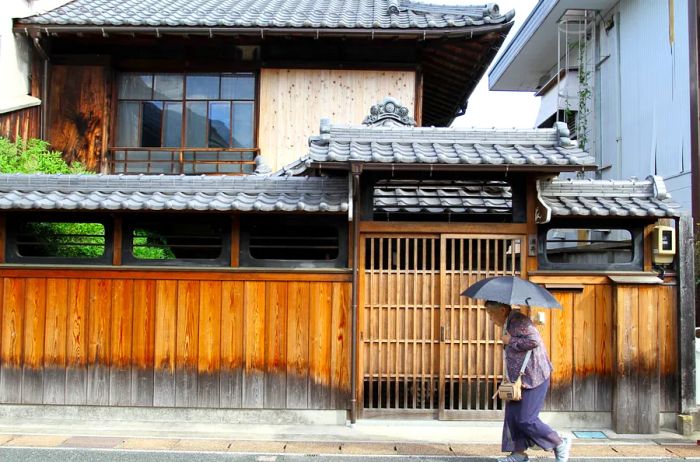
(423, 346)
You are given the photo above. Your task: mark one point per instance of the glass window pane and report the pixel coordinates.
(168, 86)
(196, 125)
(128, 124)
(219, 125)
(202, 87)
(162, 162)
(151, 124)
(135, 86)
(243, 134)
(238, 86)
(172, 125)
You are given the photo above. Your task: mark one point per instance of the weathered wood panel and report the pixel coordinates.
(165, 350)
(99, 337)
(55, 343)
(35, 319)
(121, 342)
(298, 345)
(187, 344)
(77, 342)
(292, 101)
(12, 341)
(209, 355)
(254, 333)
(276, 345)
(23, 123)
(77, 112)
(143, 343)
(232, 341)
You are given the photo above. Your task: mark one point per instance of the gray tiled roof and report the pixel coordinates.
(202, 193)
(436, 198)
(344, 14)
(475, 147)
(607, 198)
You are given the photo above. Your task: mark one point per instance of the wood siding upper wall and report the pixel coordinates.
(20, 124)
(78, 108)
(293, 102)
(196, 341)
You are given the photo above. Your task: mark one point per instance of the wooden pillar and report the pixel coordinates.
(686, 313)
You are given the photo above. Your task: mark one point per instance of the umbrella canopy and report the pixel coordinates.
(512, 290)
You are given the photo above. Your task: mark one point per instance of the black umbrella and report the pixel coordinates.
(511, 290)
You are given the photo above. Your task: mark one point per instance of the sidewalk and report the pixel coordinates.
(381, 438)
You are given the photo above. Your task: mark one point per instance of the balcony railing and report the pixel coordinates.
(188, 161)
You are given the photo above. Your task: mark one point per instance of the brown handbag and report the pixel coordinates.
(512, 391)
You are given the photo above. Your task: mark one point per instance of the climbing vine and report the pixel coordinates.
(584, 96)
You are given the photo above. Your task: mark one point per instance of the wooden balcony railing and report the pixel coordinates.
(188, 161)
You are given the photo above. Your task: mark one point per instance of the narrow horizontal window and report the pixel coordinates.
(57, 241)
(182, 241)
(590, 248)
(293, 242)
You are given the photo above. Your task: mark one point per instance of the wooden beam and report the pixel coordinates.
(461, 228)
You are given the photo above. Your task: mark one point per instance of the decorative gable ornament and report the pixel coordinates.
(389, 113)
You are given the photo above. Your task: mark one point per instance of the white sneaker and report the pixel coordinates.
(562, 451)
(514, 457)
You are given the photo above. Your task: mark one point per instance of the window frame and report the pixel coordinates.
(339, 222)
(132, 221)
(636, 231)
(184, 159)
(13, 222)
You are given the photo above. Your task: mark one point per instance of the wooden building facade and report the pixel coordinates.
(333, 282)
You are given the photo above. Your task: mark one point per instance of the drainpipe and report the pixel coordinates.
(694, 115)
(356, 171)
(44, 86)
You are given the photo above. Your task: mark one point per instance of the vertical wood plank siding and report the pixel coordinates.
(292, 101)
(614, 347)
(23, 123)
(131, 341)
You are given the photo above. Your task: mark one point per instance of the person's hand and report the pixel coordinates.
(506, 338)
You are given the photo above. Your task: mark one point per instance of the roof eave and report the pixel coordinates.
(262, 32)
(422, 167)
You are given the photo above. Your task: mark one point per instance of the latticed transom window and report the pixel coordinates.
(185, 123)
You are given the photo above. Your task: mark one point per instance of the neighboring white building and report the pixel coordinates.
(15, 54)
(618, 71)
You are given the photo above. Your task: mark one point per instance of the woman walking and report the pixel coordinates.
(522, 427)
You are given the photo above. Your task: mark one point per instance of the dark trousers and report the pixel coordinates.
(522, 427)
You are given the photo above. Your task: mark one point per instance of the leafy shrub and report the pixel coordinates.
(33, 156)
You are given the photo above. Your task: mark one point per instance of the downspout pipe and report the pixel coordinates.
(356, 171)
(694, 111)
(44, 87)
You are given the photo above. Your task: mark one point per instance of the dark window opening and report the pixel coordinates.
(203, 241)
(49, 240)
(591, 248)
(292, 241)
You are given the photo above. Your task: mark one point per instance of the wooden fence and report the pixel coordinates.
(20, 124)
(220, 340)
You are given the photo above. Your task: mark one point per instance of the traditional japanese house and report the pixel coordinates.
(327, 284)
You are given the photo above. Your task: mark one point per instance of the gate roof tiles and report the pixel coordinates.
(477, 148)
(607, 198)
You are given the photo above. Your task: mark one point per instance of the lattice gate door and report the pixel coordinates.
(423, 346)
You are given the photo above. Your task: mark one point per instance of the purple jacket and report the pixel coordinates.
(525, 336)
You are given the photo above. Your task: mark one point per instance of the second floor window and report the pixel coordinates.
(185, 123)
